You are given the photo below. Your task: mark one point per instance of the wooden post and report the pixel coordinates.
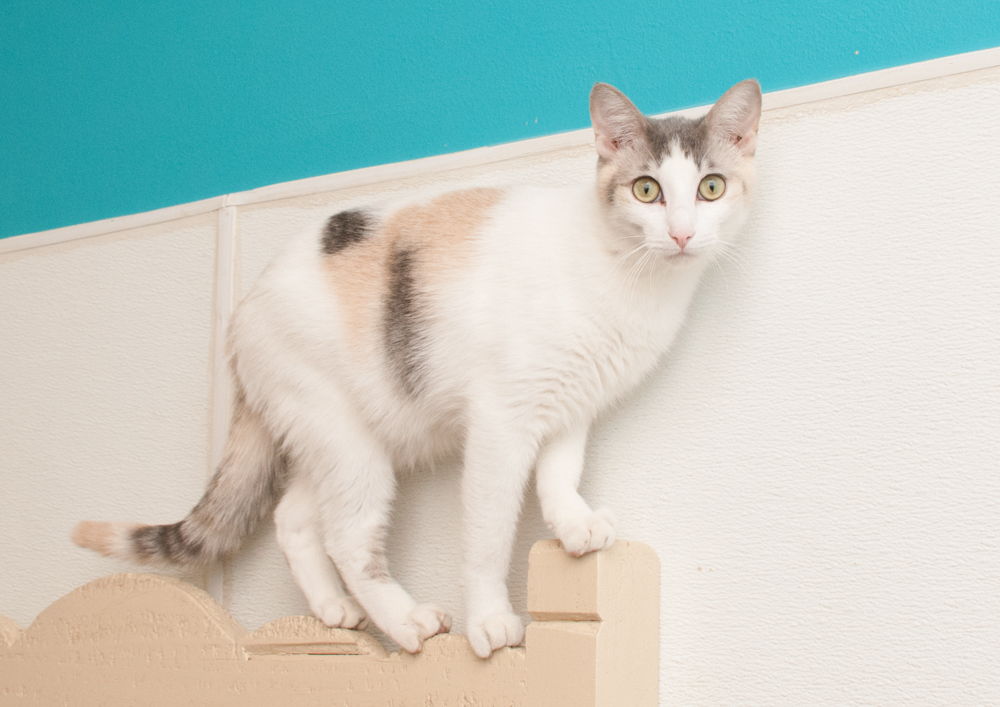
(594, 639)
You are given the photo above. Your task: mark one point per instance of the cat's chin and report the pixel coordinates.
(673, 256)
(681, 258)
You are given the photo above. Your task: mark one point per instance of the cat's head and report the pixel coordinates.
(675, 187)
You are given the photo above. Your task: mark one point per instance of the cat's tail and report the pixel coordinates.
(245, 488)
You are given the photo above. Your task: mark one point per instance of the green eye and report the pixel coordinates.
(712, 187)
(646, 189)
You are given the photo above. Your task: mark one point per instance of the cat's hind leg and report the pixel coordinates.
(297, 523)
(355, 486)
(557, 470)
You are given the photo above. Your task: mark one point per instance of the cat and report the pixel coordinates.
(491, 323)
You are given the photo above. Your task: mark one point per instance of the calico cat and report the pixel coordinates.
(491, 323)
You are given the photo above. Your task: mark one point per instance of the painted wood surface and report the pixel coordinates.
(147, 639)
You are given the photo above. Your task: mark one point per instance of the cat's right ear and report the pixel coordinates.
(617, 122)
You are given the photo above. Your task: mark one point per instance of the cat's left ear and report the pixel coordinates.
(735, 116)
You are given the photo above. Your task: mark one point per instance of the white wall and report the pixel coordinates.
(104, 378)
(816, 462)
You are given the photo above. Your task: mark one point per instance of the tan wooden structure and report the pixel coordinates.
(150, 640)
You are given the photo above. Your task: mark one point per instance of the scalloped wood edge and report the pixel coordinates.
(149, 639)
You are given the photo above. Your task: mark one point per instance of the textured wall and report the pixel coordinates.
(815, 463)
(104, 395)
(110, 107)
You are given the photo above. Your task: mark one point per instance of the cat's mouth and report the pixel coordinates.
(672, 254)
(678, 256)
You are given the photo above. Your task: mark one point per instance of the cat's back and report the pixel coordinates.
(366, 259)
(375, 284)
(383, 273)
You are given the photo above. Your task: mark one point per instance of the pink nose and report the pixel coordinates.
(681, 237)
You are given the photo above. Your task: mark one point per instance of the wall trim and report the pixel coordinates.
(850, 85)
(226, 289)
(109, 225)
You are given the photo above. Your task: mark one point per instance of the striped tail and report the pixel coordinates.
(245, 488)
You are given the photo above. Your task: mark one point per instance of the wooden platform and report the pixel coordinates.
(146, 639)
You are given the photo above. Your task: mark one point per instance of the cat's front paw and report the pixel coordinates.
(341, 612)
(587, 532)
(495, 631)
(423, 621)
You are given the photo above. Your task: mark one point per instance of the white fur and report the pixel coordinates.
(558, 313)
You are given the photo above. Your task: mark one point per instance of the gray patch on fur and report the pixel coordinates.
(690, 135)
(402, 321)
(344, 229)
(253, 503)
(610, 189)
(245, 488)
(166, 542)
(659, 138)
(377, 567)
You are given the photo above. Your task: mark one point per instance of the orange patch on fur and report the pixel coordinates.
(358, 277)
(443, 224)
(437, 233)
(95, 535)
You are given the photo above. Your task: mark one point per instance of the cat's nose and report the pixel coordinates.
(681, 237)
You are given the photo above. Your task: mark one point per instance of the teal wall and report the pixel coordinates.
(111, 107)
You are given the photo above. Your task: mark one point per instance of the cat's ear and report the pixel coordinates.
(617, 123)
(735, 116)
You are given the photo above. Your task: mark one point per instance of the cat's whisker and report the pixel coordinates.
(626, 281)
(651, 259)
(652, 269)
(625, 287)
(623, 257)
(638, 238)
(714, 260)
(718, 258)
(729, 252)
(738, 262)
(632, 275)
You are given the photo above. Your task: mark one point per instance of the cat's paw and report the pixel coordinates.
(587, 532)
(341, 612)
(423, 621)
(495, 631)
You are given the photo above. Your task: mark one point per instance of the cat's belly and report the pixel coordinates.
(331, 387)
(541, 390)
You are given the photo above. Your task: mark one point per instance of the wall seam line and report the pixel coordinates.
(224, 302)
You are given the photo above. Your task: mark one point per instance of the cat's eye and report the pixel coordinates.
(712, 187)
(646, 189)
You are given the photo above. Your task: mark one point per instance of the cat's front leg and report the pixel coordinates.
(579, 529)
(497, 467)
